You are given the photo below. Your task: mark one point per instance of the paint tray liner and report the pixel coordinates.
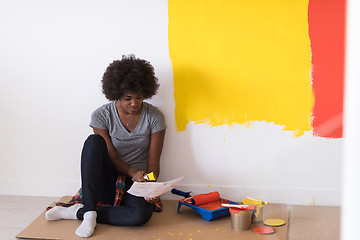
(208, 211)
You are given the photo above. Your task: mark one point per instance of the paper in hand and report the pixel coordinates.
(152, 189)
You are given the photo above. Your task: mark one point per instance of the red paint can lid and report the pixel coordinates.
(264, 230)
(236, 210)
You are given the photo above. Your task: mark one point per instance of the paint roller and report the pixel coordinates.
(199, 199)
(205, 198)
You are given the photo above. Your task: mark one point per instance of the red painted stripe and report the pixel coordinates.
(327, 36)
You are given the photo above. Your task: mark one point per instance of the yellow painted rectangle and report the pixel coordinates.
(237, 61)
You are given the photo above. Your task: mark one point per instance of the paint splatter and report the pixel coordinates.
(241, 61)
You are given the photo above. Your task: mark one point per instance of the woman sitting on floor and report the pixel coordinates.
(127, 141)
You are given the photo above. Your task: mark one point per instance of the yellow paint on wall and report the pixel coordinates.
(239, 61)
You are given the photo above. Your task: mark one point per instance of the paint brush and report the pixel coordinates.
(150, 177)
(257, 200)
(235, 205)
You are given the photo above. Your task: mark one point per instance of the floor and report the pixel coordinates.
(304, 222)
(17, 212)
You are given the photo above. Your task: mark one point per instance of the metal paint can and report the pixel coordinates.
(241, 218)
(258, 215)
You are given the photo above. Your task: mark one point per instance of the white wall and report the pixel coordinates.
(53, 54)
(351, 153)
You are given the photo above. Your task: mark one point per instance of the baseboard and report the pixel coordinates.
(39, 187)
(296, 196)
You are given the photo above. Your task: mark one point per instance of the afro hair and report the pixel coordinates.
(129, 75)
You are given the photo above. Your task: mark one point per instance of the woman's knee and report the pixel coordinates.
(93, 149)
(94, 143)
(95, 140)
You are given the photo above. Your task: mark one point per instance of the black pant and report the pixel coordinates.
(98, 184)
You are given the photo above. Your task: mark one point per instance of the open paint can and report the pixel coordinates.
(241, 218)
(258, 215)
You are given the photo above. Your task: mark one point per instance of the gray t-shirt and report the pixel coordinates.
(132, 147)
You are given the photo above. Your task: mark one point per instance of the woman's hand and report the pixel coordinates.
(152, 200)
(139, 176)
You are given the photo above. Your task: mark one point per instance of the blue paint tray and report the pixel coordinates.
(206, 212)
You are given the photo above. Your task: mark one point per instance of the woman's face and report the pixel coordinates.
(131, 102)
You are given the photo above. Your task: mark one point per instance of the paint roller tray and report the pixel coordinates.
(208, 211)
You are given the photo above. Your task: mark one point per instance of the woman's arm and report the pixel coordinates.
(155, 149)
(120, 167)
